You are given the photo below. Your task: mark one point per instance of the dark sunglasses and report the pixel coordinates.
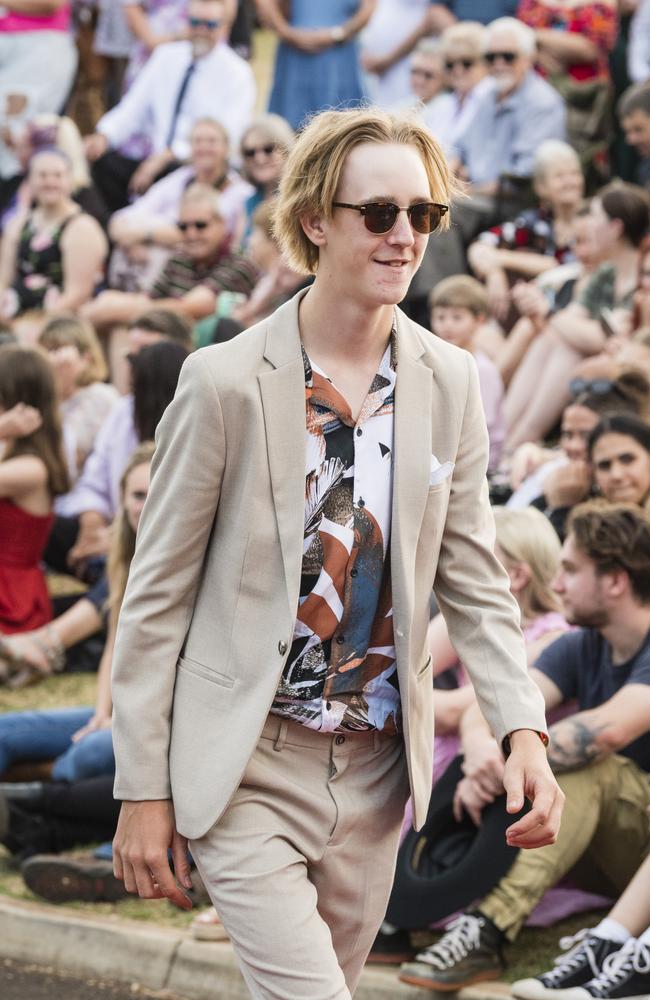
(599, 386)
(199, 224)
(380, 216)
(426, 73)
(252, 151)
(506, 57)
(465, 63)
(204, 22)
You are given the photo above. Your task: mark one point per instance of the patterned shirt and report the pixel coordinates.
(341, 673)
(229, 272)
(531, 230)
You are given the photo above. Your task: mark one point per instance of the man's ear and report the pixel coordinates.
(312, 226)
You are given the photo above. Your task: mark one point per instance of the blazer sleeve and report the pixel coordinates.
(472, 588)
(173, 535)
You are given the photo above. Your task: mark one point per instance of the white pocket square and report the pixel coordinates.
(439, 471)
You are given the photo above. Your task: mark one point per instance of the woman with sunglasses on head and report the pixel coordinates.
(619, 452)
(264, 149)
(539, 388)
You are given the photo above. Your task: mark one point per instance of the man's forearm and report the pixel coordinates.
(576, 742)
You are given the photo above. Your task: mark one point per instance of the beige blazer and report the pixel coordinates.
(210, 605)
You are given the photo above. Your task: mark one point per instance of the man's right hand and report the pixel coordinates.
(145, 832)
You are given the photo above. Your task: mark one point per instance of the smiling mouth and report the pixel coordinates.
(395, 264)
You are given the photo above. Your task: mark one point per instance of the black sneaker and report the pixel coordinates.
(60, 879)
(625, 975)
(469, 952)
(583, 958)
(391, 949)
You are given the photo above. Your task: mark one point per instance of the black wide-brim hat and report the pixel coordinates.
(447, 865)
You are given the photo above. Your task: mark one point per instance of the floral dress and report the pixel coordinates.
(39, 264)
(597, 22)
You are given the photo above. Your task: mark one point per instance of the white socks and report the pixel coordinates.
(611, 930)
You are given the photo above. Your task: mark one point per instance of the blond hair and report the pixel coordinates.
(313, 171)
(466, 34)
(66, 330)
(526, 536)
(460, 291)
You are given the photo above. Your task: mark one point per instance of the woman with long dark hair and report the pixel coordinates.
(32, 474)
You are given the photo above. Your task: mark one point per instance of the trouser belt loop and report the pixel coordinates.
(282, 735)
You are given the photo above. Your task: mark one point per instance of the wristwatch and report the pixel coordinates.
(505, 745)
(337, 34)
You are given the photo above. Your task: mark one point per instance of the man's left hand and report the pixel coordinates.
(527, 775)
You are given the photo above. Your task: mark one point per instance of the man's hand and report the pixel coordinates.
(145, 832)
(527, 774)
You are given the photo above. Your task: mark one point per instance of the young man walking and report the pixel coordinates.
(314, 479)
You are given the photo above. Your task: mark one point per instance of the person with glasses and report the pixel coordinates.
(514, 117)
(181, 82)
(315, 478)
(263, 150)
(191, 281)
(427, 80)
(145, 233)
(465, 73)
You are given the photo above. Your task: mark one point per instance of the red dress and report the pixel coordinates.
(24, 601)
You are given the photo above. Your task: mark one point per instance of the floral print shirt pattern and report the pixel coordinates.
(341, 672)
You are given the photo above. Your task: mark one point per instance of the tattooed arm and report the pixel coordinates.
(589, 736)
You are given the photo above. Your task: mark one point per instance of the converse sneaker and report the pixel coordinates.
(469, 952)
(625, 975)
(583, 957)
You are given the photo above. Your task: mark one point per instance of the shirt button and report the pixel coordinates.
(282, 647)
(340, 639)
(340, 740)
(361, 502)
(328, 705)
(359, 432)
(354, 572)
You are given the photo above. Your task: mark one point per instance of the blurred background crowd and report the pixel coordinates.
(141, 145)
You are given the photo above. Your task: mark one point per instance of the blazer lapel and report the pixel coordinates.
(283, 401)
(412, 462)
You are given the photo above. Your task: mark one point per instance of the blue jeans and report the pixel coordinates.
(32, 736)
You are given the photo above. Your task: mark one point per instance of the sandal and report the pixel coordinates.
(208, 927)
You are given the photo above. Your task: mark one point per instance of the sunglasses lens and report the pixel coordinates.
(424, 218)
(380, 218)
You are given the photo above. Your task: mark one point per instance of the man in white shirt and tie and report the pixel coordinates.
(181, 82)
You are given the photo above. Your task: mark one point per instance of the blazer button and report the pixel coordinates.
(282, 647)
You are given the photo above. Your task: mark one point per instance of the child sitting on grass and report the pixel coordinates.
(458, 307)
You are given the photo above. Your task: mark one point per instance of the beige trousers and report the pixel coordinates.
(301, 864)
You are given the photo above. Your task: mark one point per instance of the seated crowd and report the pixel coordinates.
(138, 227)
